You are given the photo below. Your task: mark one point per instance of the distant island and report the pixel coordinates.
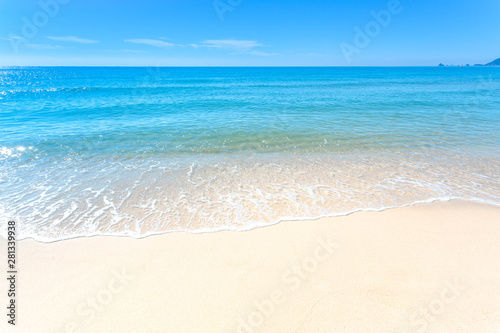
(495, 62)
(443, 65)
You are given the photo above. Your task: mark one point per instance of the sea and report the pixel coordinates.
(137, 151)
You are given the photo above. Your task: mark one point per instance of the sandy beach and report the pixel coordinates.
(233, 166)
(431, 267)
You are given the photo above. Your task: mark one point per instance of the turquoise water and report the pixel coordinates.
(136, 151)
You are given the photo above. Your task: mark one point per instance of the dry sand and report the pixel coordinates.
(425, 268)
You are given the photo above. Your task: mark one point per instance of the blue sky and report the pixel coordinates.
(248, 32)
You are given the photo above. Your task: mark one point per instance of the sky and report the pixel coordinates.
(248, 32)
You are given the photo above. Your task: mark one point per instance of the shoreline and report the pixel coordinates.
(254, 226)
(110, 197)
(364, 272)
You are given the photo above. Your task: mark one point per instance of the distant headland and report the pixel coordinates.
(495, 62)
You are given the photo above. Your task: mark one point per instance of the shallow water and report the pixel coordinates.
(138, 151)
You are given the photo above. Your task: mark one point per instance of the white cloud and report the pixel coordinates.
(24, 43)
(312, 54)
(152, 42)
(235, 46)
(15, 37)
(73, 39)
(41, 46)
(127, 50)
(259, 53)
(230, 44)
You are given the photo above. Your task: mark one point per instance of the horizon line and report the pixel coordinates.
(247, 66)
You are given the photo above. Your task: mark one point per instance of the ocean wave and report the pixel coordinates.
(141, 197)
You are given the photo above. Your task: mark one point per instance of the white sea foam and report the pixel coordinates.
(145, 196)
